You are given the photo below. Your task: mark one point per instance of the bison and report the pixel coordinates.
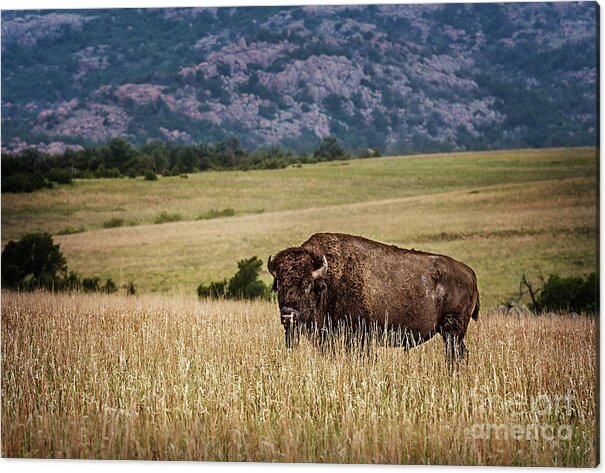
(401, 297)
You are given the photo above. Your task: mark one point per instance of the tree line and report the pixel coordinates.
(31, 169)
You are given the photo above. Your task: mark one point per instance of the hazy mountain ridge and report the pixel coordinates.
(402, 78)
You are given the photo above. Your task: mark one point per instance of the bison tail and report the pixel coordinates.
(475, 314)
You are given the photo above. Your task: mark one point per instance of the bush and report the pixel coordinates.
(369, 153)
(165, 217)
(31, 262)
(111, 173)
(329, 149)
(60, 176)
(71, 230)
(243, 285)
(130, 288)
(150, 175)
(215, 213)
(91, 284)
(17, 183)
(110, 287)
(35, 262)
(71, 282)
(214, 290)
(113, 222)
(24, 182)
(574, 293)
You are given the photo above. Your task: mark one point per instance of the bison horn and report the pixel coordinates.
(321, 272)
(271, 266)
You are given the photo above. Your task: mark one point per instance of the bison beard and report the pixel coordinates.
(373, 291)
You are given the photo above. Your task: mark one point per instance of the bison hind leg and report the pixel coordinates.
(453, 329)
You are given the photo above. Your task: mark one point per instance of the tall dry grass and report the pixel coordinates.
(93, 376)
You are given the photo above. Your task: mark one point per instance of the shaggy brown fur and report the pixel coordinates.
(374, 289)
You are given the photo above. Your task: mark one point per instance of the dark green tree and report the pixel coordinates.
(110, 287)
(558, 293)
(60, 176)
(245, 283)
(34, 261)
(118, 152)
(150, 175)
(92, 284)
(19, 182)
(130, 288)
(230, 152)
(329, 149)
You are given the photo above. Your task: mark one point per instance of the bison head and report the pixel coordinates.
(300, 281)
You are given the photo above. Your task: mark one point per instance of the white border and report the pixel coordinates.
(94, 466)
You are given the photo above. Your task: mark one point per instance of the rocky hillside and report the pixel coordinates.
(401, 78)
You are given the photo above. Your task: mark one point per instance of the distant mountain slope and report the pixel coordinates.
(402, 78)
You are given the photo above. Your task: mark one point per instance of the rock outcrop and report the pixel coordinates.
(320, 75)
(29, 29)
(401, 78)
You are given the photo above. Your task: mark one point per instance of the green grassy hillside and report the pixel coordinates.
(504, 213)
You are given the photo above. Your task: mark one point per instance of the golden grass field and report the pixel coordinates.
(171, 378)
(165, 376)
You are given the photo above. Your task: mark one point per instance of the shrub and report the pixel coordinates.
(35, 262)
(87, 174)
(112, 173)
(165, 217)
(60, 176)
(113, 222)
(214, 290)
(32, 261)
(110, 287)
(24, 182)
(215, 213)
(91, 284)
(130, 288)
(369, 153)
(558, 293)
(574, 293)
(243, 285)
(71, 282)
(17, 183)
(150, 175)
(329, 149)
(71, 230)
